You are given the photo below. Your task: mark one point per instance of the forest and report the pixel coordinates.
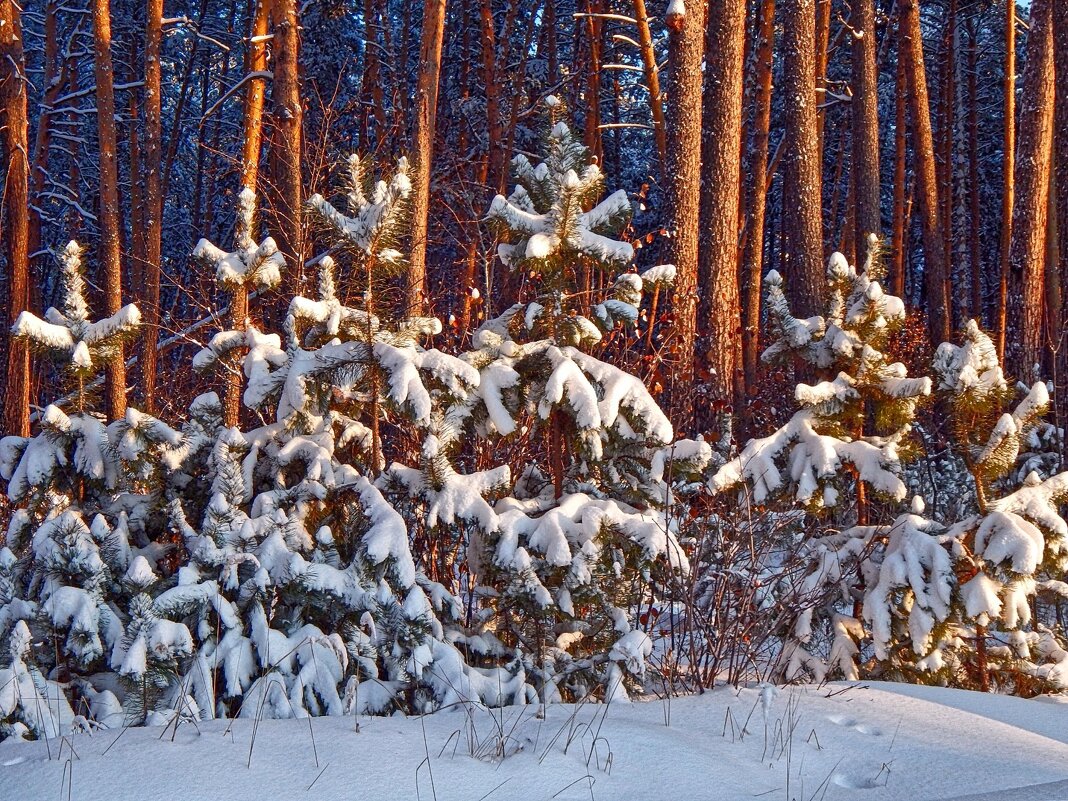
(368, 355)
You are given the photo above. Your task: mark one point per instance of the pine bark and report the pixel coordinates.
(426, 102)
(683, 195)
(937, 300)
(947, 133)
(1008, 169)
(285, 151)
(897, 247)
(757, 192)
(495, 157)
(652, 79)
(865, 119)
(974, 186)
(13, 138)
(56, 79)
(822, 43)
(153, 203)
(372, 96)
(1060, 181)
(1027, 253)
(252, 118)
(251, 145)
(592, 128)
(720, 190)
(802, 246)
(109, 245)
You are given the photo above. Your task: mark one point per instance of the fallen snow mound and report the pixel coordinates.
(838, 741)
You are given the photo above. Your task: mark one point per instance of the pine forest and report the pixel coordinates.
(371, 357)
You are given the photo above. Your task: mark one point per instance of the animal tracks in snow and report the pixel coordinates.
(853, 782)
(852, 723)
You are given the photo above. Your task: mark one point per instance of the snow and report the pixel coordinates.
(660, 275)
(847, 741)
(140, 572)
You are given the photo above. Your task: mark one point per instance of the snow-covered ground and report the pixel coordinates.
(868, 740)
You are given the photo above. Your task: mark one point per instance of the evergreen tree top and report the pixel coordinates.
(68, 335)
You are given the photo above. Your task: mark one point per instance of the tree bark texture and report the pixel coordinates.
(1027, 252)
(720, 188)
(802, 245)
(685, 54)
(865, 119)
(110, 245)
(756, 203)
(426, 102)
(13, 137)
(934, 265)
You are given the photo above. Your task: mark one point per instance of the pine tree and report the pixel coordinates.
(68, 336)
(296, 549)
(70, 536)
(549, 557)
(853, 425)
(850, 435)
(1014, 552)
(30, 706)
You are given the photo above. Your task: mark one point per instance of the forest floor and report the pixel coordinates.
(863, 740)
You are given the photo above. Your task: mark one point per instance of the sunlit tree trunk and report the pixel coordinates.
(802, 245)
(109, 247)
(720, 187)
(652, 79)
(865, 118)
(153, 202)
(285, 152)
(685, 54)
(13, 138)
(1008, 170)
(1027, 253)
(934, 265)
(426, 102)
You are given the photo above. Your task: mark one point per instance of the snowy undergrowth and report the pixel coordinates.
(388, 528)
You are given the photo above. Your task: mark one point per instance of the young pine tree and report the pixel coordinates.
(562, 562)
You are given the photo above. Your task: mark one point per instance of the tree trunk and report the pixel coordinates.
(937, 301)
(592, 127)
(652, 79)
(109, 247)
(372, 96)
(1060, 181)
(153, 202)
(1008, 170)
(426, 102)
(252, 118)
(946, 161)
(865, 118)
(56, 79)
(496, 173)
(251, 145)
(756, 204)
(897, 247)
(802, 235)
(683, 196)
(1027, 253)
(16, 420)
(720, 177)
(285, 153)
(822, 42)
(974, 207)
